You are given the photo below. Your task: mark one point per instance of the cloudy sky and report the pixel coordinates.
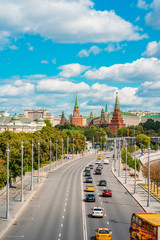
(51, 49)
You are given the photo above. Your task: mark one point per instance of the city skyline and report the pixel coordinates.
(94, 48)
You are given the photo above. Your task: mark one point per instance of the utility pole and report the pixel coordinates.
(22, 196)
(101, 144)
(126, 165)
(119, 173)
(148, 200)
(73, 150)
(50, 154)
(62, 152)
(115, 153)
(7, 199)
(32, 168)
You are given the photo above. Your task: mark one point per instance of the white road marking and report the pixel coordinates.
(61, 225)
(15, 236)
(64, 210)
(65, 204)
(59, 234)
(108, 223)
(63, 217)
(27, 219)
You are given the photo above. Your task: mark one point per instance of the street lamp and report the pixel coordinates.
(135, 166)
(85, 144)
(62, 149)
(73, 149)
(7, 199)
(38, 160)
(56, 152)
(32, 168)
(22, 197)
(67, 146)
(101, 144)
(126, 165)
(119, 173)
(50, 154)
(148, 200)
(115, 153)
(93, 144)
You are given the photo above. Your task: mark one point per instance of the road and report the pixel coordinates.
(55, 213)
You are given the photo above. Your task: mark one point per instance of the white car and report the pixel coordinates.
(106, 161)
(97, 212)
(98, 161)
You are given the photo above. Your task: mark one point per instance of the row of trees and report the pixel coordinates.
(154, 174)
(44, 136)
(130, 160)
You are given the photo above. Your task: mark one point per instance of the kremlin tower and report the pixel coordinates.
(77, 119)
(116, 121)
(63, 119)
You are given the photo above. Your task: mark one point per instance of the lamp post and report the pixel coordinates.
(50, 154)
(85, 144)
(67, 146)
(22, 196)
(135, 166)
(32, 168)
(62, 150)
(148, 200)
(73, 150)
(115, 154)
(56, 152)
(38, 180)
(101, 144)
(93, 144)
(126, 165)
(119, 172)
(7, 199)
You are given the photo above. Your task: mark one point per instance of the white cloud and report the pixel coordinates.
(44, 62)
(137, 19)
(65, 21)
(153, 49)
(72, 70)
(128, 97)
(61, 86)
(17, 89)
(141, 70)
(142, 4)
(85, 53)
(54, 61)
(4, 39)
(112, 47)
(149, 89)
(31, 48)
(13, 47)
(153, 17)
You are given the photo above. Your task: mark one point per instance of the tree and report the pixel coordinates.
(142, 141)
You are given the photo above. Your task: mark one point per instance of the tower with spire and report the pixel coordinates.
(77, 118)
(63, 119)
(116, 121)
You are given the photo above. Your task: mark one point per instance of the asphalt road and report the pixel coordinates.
(55, 213)
(117, 209)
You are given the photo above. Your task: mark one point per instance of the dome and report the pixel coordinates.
(15, 118)
(40, 119)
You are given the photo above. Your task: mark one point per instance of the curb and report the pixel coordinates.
(128, 190)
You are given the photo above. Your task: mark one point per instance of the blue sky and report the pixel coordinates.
(51, 49)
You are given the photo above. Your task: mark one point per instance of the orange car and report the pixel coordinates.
(103, 234)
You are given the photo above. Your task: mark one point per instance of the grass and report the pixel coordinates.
(152, 190)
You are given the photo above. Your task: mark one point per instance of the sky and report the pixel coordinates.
(51, 49)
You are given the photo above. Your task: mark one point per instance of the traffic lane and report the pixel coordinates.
(44, 222)
(116, 207)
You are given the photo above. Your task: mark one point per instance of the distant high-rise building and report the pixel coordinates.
(77, 118)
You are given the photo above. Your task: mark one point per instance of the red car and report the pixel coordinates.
(107, 193)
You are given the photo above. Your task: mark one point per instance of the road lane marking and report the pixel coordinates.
(63, 217)
(59, 234)
(64, 210)
(15, 236)
(61, 225)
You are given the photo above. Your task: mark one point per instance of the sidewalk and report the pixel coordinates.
(141, 194)
(15, 205)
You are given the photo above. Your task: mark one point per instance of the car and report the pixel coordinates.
(90, 188)
(107, 193)
(97, 212)
(100, 165)
(91, 166)
(102, 183)
(98, 171)
(88, 173)
(98, 161)
(103, 234)
(90, 197)
(99, 157)
(106, 161)
(87, 169)
(89, 180)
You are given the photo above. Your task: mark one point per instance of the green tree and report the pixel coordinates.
(142, 141)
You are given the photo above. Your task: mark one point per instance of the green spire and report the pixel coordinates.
(117, 102)
(76, 102)
(106, 108)
(63, 117)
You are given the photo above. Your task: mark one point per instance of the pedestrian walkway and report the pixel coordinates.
(140, 195)
(15, 205)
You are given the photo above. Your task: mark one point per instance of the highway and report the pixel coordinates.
(55, 213)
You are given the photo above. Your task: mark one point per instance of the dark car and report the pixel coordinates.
(100, 165)
(88, 173)
(90, 197)
(98, 171)
(87, 169)
(91, 166)
(102, 183)
(89, 180)
(107, 193)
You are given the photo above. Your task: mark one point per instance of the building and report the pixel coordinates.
(76, 118)
(20, 124)
(63, 119)
(116, 121)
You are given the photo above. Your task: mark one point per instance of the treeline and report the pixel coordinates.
(44, 136)
(130, 160)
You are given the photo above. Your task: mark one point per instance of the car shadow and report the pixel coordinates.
(92, 238)
(89, 215)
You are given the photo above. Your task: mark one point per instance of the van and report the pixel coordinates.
(106, 161)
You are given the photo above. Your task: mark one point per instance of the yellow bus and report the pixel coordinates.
(145, 226)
